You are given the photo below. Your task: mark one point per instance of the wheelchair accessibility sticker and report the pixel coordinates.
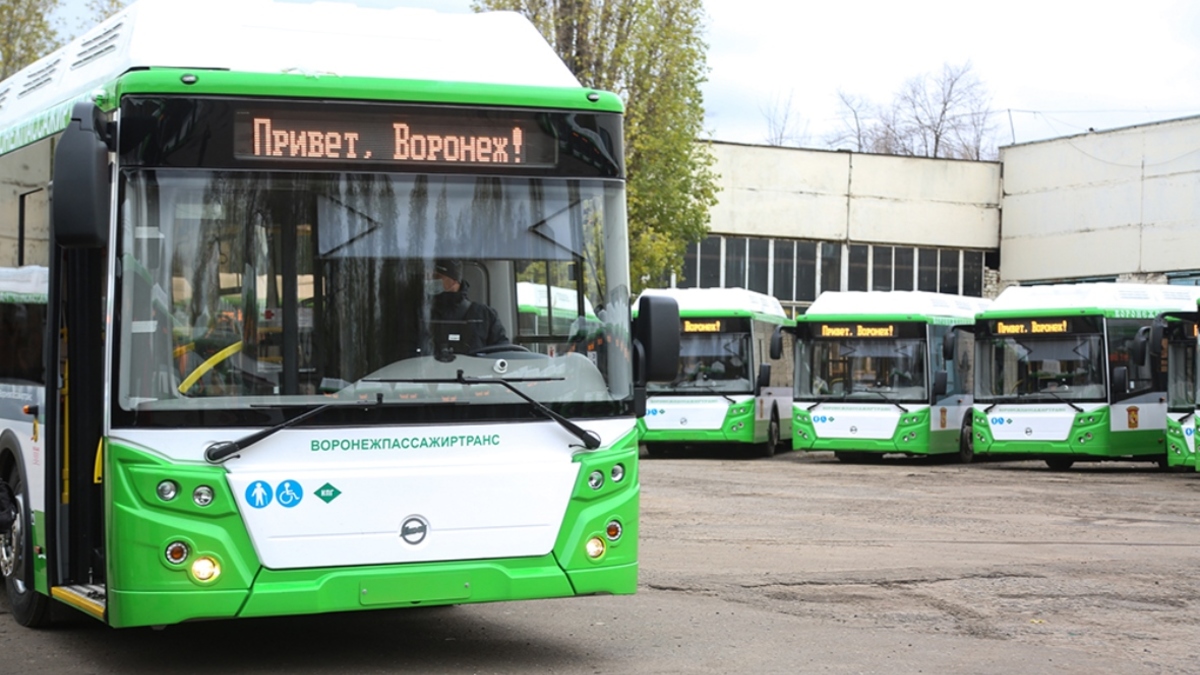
(288, 493)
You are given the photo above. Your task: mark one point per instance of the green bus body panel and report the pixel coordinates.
(1103, 443)
(41, 581)
(925, 441)
(732, 313)
(290, 85)
(1178, 453)
(1122, 313)
(143, 589)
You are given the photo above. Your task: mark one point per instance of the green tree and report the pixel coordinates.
(102, 9)
(26, 33)
(652, 54)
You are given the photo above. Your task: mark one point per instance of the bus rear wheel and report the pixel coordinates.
(1059, 463)
(29, 607)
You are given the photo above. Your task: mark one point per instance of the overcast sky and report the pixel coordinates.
(1052, 67)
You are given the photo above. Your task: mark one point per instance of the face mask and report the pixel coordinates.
(433, 287)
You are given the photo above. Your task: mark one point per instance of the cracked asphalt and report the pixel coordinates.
(794, 564)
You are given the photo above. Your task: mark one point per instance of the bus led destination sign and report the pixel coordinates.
(1031, 327)
(713, 326)
(857, 330)
(405, 136)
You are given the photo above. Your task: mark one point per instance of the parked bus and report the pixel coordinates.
(1177, 331)
(731, 383)
(1065, 373)
(885, 372)
(242, 404)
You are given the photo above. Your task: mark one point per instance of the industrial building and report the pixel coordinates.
(1112, 205)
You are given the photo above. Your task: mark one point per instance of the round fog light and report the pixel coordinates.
(613, 530)
(595, 547)
(167, 490)
(618, 472)
(176, 552)
(206, 569)
(596, 480)
(203, 495)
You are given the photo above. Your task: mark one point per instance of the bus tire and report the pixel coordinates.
(29, 608)
(768, 448)
(966, 442)
(1059, 463)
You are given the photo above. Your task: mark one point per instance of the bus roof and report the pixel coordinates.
(718, 301)
(917, 304)
(319, 39)
(24, 284)
(1108, 299)
(532, 297)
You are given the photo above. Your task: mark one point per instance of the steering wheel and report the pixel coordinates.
(492, 349)
(210, 363)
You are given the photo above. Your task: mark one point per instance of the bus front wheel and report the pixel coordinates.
(966, 442)
(29, 607)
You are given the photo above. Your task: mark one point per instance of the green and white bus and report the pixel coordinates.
(732, 380)
(220, 242)
(1065, 373)
(1178, 332)
(879, 373)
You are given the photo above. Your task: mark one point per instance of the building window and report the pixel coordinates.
(973, 273)
(759, 266)
(948, 275)
(858, 268)
(785, 275)
(927, 269)
(735, 262)
(806, 271)
(881, 268)
(710, 263)
(904, 269)
(831, 266)
(687, 275)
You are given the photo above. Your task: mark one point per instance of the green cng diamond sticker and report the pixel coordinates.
(327, 493)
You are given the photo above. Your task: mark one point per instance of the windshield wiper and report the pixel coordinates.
(884, 397)
(218, 452)
(1185, 417)
(591, 440)
(1077, 408)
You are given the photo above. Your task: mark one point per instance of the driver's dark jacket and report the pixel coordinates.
(458, 307)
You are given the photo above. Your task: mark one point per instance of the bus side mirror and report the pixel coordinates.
(82, 188)
(939, 383)
(1140, 346)
(656, 338)
(1120, 380)
(764, 377)
(949, 343)
(777, 343)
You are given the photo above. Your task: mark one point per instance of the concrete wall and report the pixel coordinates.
(843, 196)
(1123, 202)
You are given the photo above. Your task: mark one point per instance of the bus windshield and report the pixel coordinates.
(246, 289)
(862, 369)
(711, 362)
(1040, 368)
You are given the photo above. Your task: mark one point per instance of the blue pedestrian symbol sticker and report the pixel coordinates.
(258, 494)
(289, 493)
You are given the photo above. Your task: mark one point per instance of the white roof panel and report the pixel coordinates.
(1098, 295)
(320, 39)
(720, 299)
(842, 303)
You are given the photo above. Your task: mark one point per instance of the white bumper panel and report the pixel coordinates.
(680, 413)
(1040, 422)
(846, 420)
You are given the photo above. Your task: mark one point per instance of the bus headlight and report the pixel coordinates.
(618, 472)
(205, 569)
(595, 547)
(596, 480)
(202, 496)
(167, 490)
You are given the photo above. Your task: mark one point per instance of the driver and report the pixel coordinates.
(452, 304)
